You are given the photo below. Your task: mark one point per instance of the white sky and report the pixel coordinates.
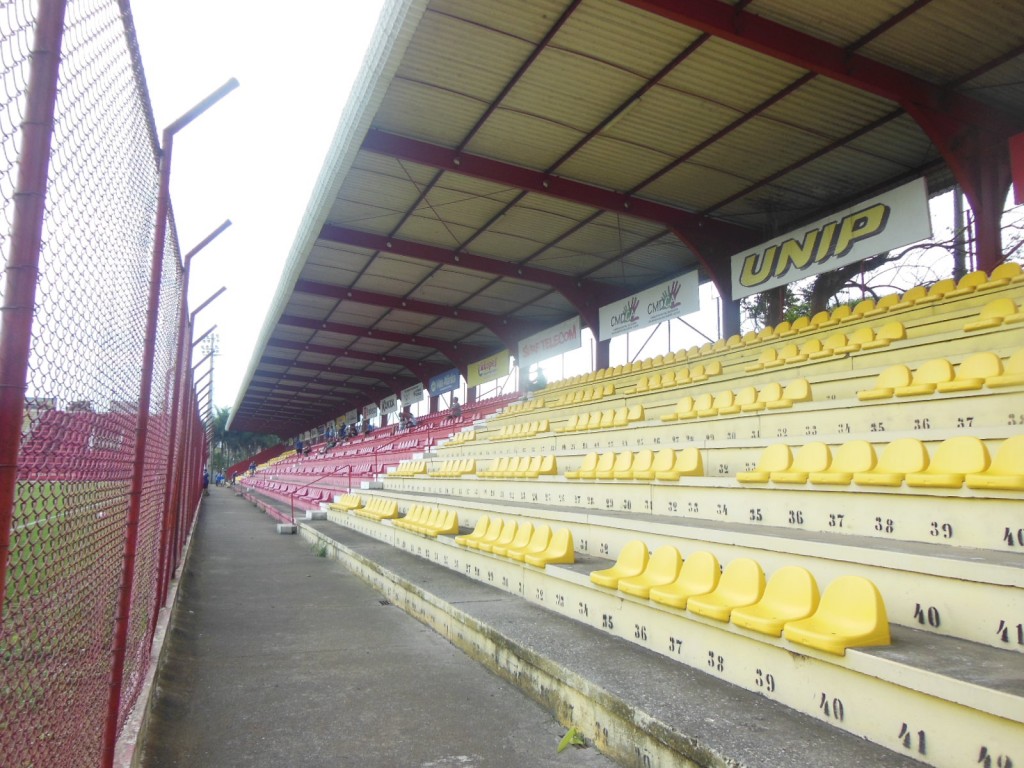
(253, 157)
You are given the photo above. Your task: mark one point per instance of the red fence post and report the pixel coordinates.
(23, 264)
(148, 356)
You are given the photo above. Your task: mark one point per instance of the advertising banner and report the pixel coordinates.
(674, 298)
(389, 404)
(369, 411)
(891, 220)
(412, 395)
(488, 369)
(557, 340)
(351, 417)
(444, 382)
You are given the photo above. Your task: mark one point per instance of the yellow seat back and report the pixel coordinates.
(851, 613)
(791, 594)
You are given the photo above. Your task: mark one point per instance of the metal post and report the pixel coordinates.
(121, 618)
(23, 265)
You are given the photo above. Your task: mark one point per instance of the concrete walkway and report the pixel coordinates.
(279, 658)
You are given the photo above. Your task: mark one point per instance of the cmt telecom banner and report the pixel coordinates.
(562, 338)
(389, 404)
(369, 411)
(412, 395)
(663, 302)
(444, 382)
(891, 220)
(488, 369)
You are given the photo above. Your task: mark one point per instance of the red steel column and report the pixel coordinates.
(23, 265)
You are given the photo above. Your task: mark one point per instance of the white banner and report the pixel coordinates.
(369, 411)
(674, 298)
(389, 404)
(562, 338)
(412, 395)
(891, 220)
(351, 417)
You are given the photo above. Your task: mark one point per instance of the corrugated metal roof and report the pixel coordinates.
(630, 107)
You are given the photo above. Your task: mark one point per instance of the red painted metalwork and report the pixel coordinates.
(460, 354)
(23, 262)
(145, 387)
(585, 295)
(712, 241)
(507, 331)
(970, 134)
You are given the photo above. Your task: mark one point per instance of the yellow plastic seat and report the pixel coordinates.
(796, 391)
(532, 468)
(784, 356)
(829, 347)
(635, 413)
(851, 614)
(839, 314)
(854, 456)
(607, 419)
(791, 594)
(559, 550)
(742, 584)
(640, 469)
(621, 416)
(882, 305)
(1013, 372)
(769, 393)
(607, 464)
(775, 458)
(953, 460)
(663, 461)
(496, 466)
(744, 396)
(588, 421)
(586, 468)
(855, 341)
(862, 306)
(938, 291)
(782, 329)
(538, 543)
(682, 376)
(447, 523)
(734, 342)
(711, 368)
(973, 372)
(508, 535)
(685, 405)
(968, 283)
(631, 562)
(687, 463)
(750, 337)
(993, 314)
(795, 327)
(524, 532)
(662, 569)
(886, 335)
(1006, 472)
(927, 378)
(491, 535)
(808, 348)
(910, 297)
(812, 457)
(1004, 274)
(703, 402)
(722, 399)
(899, 458)
(885, 386)
(767, 356)
(818, 319)
(698, 576)
(548, 466)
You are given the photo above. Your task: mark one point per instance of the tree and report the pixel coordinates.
(227, 448)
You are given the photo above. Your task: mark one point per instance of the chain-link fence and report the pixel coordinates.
(95, 500)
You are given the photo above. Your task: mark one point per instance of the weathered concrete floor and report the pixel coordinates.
(277, 657)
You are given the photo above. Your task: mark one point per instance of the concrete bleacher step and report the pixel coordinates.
(963, 593)
(715, 695)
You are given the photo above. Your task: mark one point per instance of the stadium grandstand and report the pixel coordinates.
(797, 542)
